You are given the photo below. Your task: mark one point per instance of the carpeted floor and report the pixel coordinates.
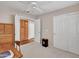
(35, 50)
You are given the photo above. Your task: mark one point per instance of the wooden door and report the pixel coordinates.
(23, 30)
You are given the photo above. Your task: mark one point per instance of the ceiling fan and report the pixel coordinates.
(33, 6)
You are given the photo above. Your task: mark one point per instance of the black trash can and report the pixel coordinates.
(45, 42)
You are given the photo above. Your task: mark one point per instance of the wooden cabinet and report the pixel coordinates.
(26, 29)
(22, 23)
(1, 28)
(23, 30)
(22, 34)
(8, 28)
(6, 35)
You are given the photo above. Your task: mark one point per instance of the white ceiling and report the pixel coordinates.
(45, 6)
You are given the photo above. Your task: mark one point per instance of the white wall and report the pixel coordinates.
(66, 32)
(6, 19)
(47, 28)
(5, 15)
(37, 30)
(17, 28)
(47, 21)
(31, 33)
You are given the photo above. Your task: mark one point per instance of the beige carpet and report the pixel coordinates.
(35, 50)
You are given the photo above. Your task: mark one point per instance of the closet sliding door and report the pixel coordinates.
(66, 32)
(60, 38)
(74, 41)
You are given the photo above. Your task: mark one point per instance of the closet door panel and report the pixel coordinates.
(60, 38)
(69, 40)
(74, 42)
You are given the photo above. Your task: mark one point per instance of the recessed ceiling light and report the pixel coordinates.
(34, 7)
(34, 3)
